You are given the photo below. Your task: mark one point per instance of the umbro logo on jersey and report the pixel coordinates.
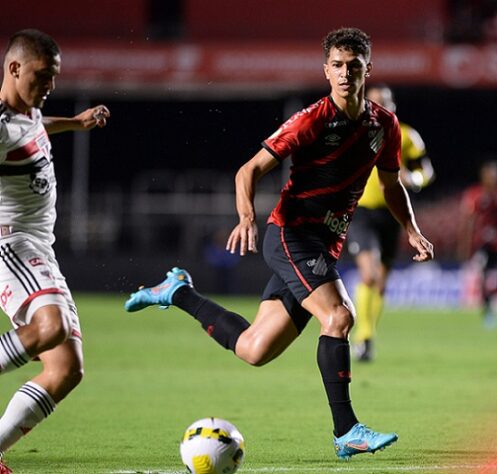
(319, 266)
(332, 139)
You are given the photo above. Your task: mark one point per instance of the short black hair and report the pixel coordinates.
(35, 42)
(351, 39)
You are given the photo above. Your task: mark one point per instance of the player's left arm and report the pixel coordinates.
(86, 120)
(400, 206)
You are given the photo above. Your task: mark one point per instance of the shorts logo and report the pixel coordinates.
(35, 261)
(5, 296)
(319, 266)
(47, 274)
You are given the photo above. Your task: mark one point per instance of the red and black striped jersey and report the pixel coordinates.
(332, 158)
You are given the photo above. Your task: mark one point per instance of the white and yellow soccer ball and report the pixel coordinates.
(212, 446)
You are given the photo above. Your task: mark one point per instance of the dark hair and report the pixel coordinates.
(351, 39)
(33, 42)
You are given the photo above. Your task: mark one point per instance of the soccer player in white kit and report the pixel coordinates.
(33, 292)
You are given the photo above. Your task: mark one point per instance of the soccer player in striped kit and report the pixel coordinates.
(33, 292)
(334, 144)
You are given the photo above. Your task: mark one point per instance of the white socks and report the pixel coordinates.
(12, 352)
(29, 405)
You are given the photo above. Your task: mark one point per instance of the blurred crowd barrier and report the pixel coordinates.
(433, 285)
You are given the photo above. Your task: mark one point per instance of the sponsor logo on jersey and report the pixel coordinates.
(337, 224)
(337, 123)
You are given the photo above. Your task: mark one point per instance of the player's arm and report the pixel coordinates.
(245, 234)
(400, 206)
(86, 120)
(465, 229)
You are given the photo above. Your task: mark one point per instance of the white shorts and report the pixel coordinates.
(30, 278)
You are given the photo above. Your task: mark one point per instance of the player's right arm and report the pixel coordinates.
(400, 206)
(466, 226)
(245, 234)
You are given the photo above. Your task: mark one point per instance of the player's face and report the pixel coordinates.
(346, 72)
(35, 81)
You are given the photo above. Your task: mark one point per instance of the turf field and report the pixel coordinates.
(150, 374)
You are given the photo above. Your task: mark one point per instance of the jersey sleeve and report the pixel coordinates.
(389, 159)
(299, 130)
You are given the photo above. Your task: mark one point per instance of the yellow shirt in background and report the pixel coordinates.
(412, 148)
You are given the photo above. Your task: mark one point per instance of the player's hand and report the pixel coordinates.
(93, 117)
(245, 236)
(423, 246)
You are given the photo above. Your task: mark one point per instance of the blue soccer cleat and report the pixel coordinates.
(161, 294)
(360, 439)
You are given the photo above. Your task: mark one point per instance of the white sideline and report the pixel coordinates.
(369, 469)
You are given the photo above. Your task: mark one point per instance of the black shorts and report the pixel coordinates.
(374, 229)
(301, 263)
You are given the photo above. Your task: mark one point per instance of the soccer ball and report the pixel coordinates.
(212, 446)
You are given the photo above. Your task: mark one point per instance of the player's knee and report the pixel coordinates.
(257, 359)
(72, 377)
(253, 350)
(339, 323)
(63, 378)
(53, 326)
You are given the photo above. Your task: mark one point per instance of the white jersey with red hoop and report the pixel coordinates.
(27, 178)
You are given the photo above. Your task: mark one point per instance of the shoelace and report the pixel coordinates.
(367, 432)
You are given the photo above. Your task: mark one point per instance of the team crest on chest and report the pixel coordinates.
(40, 183)
(376, 139)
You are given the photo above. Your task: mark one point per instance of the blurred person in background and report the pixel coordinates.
(373, 237)
(478, 236)
(33, 292)
(334, 144)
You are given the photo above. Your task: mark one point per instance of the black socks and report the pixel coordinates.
(222, 325)
(334, 363)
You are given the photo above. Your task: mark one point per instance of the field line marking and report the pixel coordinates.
(369, 469)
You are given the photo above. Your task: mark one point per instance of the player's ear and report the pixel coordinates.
(369, 68)
(14, 68)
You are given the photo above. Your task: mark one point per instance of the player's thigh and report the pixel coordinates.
(268, 336)
(62, 368)
(30, 278)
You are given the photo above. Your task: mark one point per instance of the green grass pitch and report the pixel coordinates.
(150, 374)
